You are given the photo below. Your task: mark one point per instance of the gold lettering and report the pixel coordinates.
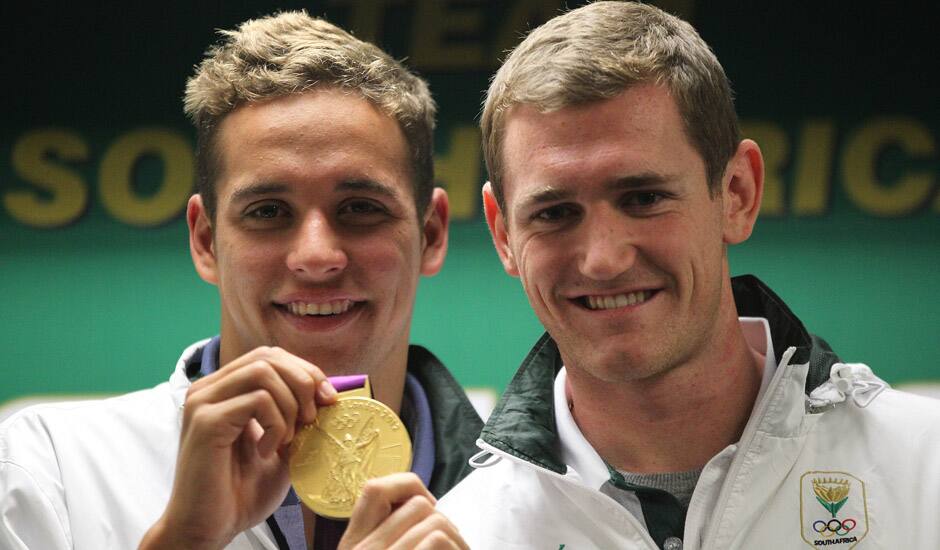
(116, 176)
(812, 181)
(776, 150)
(434, 27)
(34, 156)
(860, 167)
(459, 171)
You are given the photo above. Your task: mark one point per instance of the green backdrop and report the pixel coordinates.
(100, 295)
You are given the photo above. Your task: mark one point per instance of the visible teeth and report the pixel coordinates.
(325, 308)
(618, 300)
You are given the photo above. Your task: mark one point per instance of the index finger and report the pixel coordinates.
(307, 382)
(298, 373)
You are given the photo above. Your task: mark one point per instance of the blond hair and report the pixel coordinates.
(596, 52)
(289, 53)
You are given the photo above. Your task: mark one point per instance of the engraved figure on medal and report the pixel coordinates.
(352, 463)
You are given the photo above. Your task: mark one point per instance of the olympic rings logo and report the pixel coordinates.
(834, 527)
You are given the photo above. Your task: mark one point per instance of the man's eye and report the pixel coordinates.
(643, 199)
(363, 213)
(361, 207)
(267, 211)
(558, 212)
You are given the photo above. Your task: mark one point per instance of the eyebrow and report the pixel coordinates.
(258, 189)
(550, 193)
(369, 186)
(274, 188)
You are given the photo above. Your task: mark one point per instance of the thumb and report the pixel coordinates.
(379, 498)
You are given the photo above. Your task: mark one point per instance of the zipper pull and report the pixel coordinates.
(484, 458)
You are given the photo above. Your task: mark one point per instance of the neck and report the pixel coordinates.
(388, 381)
(675, 421)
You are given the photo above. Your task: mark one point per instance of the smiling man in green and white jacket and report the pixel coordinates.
(669, 406)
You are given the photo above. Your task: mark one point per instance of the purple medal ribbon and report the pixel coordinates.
(348, 382)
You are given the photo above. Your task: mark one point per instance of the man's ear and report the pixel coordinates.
(434, 236)
(497, 223)
(743, 188)
(201, 245)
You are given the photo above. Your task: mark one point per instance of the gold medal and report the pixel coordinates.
(352, 441)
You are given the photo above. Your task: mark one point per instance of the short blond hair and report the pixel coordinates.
(596, 52)
(289, 53)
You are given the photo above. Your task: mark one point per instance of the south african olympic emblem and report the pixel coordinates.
(833, 509)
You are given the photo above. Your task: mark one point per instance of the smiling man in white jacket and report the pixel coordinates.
(668, 406)
(315, 217)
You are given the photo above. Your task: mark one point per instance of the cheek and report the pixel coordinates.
(241, 267)
(534, 263)
(697, 243)
(389, 259)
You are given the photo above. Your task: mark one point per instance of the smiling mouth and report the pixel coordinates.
(614, 301)
(319, 309)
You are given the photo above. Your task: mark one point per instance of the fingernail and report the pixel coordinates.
(326, 390)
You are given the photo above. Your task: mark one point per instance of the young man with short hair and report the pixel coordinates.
(669, 405)
(315, 216)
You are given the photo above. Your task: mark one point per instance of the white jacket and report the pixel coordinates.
(92, 475)
(870, 453)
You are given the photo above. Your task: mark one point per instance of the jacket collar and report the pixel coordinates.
(455, 422)
(755, 299)
(523, 422)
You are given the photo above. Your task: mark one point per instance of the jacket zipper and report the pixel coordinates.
(747, 439)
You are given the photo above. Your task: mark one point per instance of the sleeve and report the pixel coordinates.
(33, 511)
(29, 518)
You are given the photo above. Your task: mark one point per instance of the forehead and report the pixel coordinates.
(639, 130)
(321, 135)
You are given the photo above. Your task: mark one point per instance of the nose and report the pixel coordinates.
(317, 251)
(609, 245)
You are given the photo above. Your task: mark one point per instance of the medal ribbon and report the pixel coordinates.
(353, 384)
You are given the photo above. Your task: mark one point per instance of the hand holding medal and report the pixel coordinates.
(255, 401)
(350, 442)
